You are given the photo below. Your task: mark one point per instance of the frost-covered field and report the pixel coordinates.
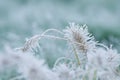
(87, 59)
(22, 19)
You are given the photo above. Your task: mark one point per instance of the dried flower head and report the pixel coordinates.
(30, 43)
(80, 37)
(81, 41)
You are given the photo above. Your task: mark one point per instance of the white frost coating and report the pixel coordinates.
(91, 60)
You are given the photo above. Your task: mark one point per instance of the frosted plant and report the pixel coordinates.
(95, 61)
(113, 57)
(33, 41)
(36, 70)
(64, 72)
(106, 62)
(28, 67)
(81, 41)
(80, 37)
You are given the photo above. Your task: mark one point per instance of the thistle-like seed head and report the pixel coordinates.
(80, 37)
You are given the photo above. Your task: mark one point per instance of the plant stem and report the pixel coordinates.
(76, 55)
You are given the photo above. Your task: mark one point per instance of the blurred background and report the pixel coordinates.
(21, 19)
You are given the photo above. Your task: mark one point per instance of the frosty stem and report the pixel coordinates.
(76, 55)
